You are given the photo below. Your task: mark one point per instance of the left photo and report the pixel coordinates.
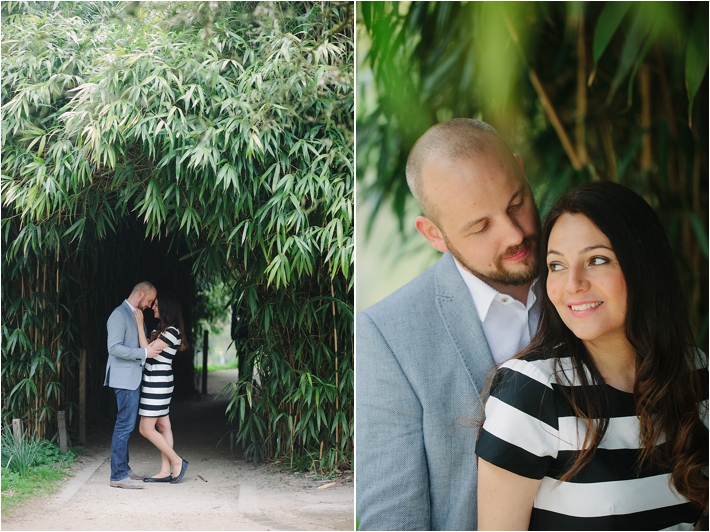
(178, 265)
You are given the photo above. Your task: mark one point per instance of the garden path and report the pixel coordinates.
(220, 491)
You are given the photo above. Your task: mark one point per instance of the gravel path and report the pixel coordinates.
(220, 491)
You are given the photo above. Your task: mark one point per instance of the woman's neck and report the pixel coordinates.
(616, 361)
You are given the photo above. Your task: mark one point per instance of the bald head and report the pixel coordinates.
(460, 138)
(143, 295)
(145, 286)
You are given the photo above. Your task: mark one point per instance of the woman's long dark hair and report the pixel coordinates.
(170, 315)
(668, 389)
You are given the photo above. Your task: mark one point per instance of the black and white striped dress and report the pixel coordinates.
(531, 432)
(157, 385)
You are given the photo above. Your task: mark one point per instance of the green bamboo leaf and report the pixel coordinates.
(234, 170)
(76, 229)
(631, 53)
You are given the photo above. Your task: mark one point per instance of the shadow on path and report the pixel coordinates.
(220, 491)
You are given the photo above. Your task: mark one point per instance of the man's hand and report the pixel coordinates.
(152, 351)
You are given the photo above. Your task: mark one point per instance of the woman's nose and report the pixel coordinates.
(576, 280)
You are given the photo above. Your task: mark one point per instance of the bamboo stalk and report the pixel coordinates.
(337, 386)
(607, 146)
(667, 106)
(36, 417)
(645, 90)
(666, 98)
(554, 120)
(580, 132)
(696, 259)
(44, 293)
(57, 265)
(546, 103)
(36, 332)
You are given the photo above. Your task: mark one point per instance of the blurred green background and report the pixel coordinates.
(584, 91)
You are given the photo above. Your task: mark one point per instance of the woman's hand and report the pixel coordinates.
(152, 350)
(138, 314)
(142, 340)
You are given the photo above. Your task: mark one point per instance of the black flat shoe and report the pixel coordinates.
(183, 470)
(169, 478)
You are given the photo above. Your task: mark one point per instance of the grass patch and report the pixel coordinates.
(40, 480)
(234, 364)
(31, 468)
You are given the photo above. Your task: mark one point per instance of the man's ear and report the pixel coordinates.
(431, 232)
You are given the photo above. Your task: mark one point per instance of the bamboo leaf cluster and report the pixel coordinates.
(224, 129)
(583, 91)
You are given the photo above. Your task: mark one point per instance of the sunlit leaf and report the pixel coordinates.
(606, 26)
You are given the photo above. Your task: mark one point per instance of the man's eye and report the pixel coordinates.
(483, 229)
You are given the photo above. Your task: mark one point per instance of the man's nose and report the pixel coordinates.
(513, 233)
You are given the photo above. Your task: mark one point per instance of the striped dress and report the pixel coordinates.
(157, 385)
(531, 432)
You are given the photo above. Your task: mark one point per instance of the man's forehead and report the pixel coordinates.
(441, 170)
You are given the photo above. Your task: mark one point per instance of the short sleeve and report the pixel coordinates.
(171, 336)
(521, 428)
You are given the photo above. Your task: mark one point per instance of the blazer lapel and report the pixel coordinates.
(460, 318)
(132, 324)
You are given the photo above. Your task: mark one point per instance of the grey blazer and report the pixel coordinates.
(422, 362)
(125, 356)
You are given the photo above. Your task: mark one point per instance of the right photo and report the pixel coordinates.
(531, 289)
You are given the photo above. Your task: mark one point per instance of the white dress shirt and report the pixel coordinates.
(507, 323)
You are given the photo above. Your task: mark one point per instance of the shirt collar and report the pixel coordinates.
(129, 305)
(484, 294)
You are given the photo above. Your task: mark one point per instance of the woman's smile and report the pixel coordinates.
(583, 309)
(585, 281)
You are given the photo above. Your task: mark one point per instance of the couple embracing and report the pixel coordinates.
(139, 370)
(539, 376)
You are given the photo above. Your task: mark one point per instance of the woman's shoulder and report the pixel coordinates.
(524, 385)
(172, 333)
(538, 365)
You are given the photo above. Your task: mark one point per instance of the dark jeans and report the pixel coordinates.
(127, 404)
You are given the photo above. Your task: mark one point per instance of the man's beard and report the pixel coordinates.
(143, 303)
(500, 275)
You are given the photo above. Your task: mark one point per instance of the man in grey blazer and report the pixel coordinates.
(123, 373)
(425, 353)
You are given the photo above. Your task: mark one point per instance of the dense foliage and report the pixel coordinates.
(583, 90)
(218, 131)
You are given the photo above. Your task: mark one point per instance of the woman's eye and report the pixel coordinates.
(598, 261)
(554, 266)
(516, 205)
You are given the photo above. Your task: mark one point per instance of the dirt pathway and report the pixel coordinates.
(220, 491)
